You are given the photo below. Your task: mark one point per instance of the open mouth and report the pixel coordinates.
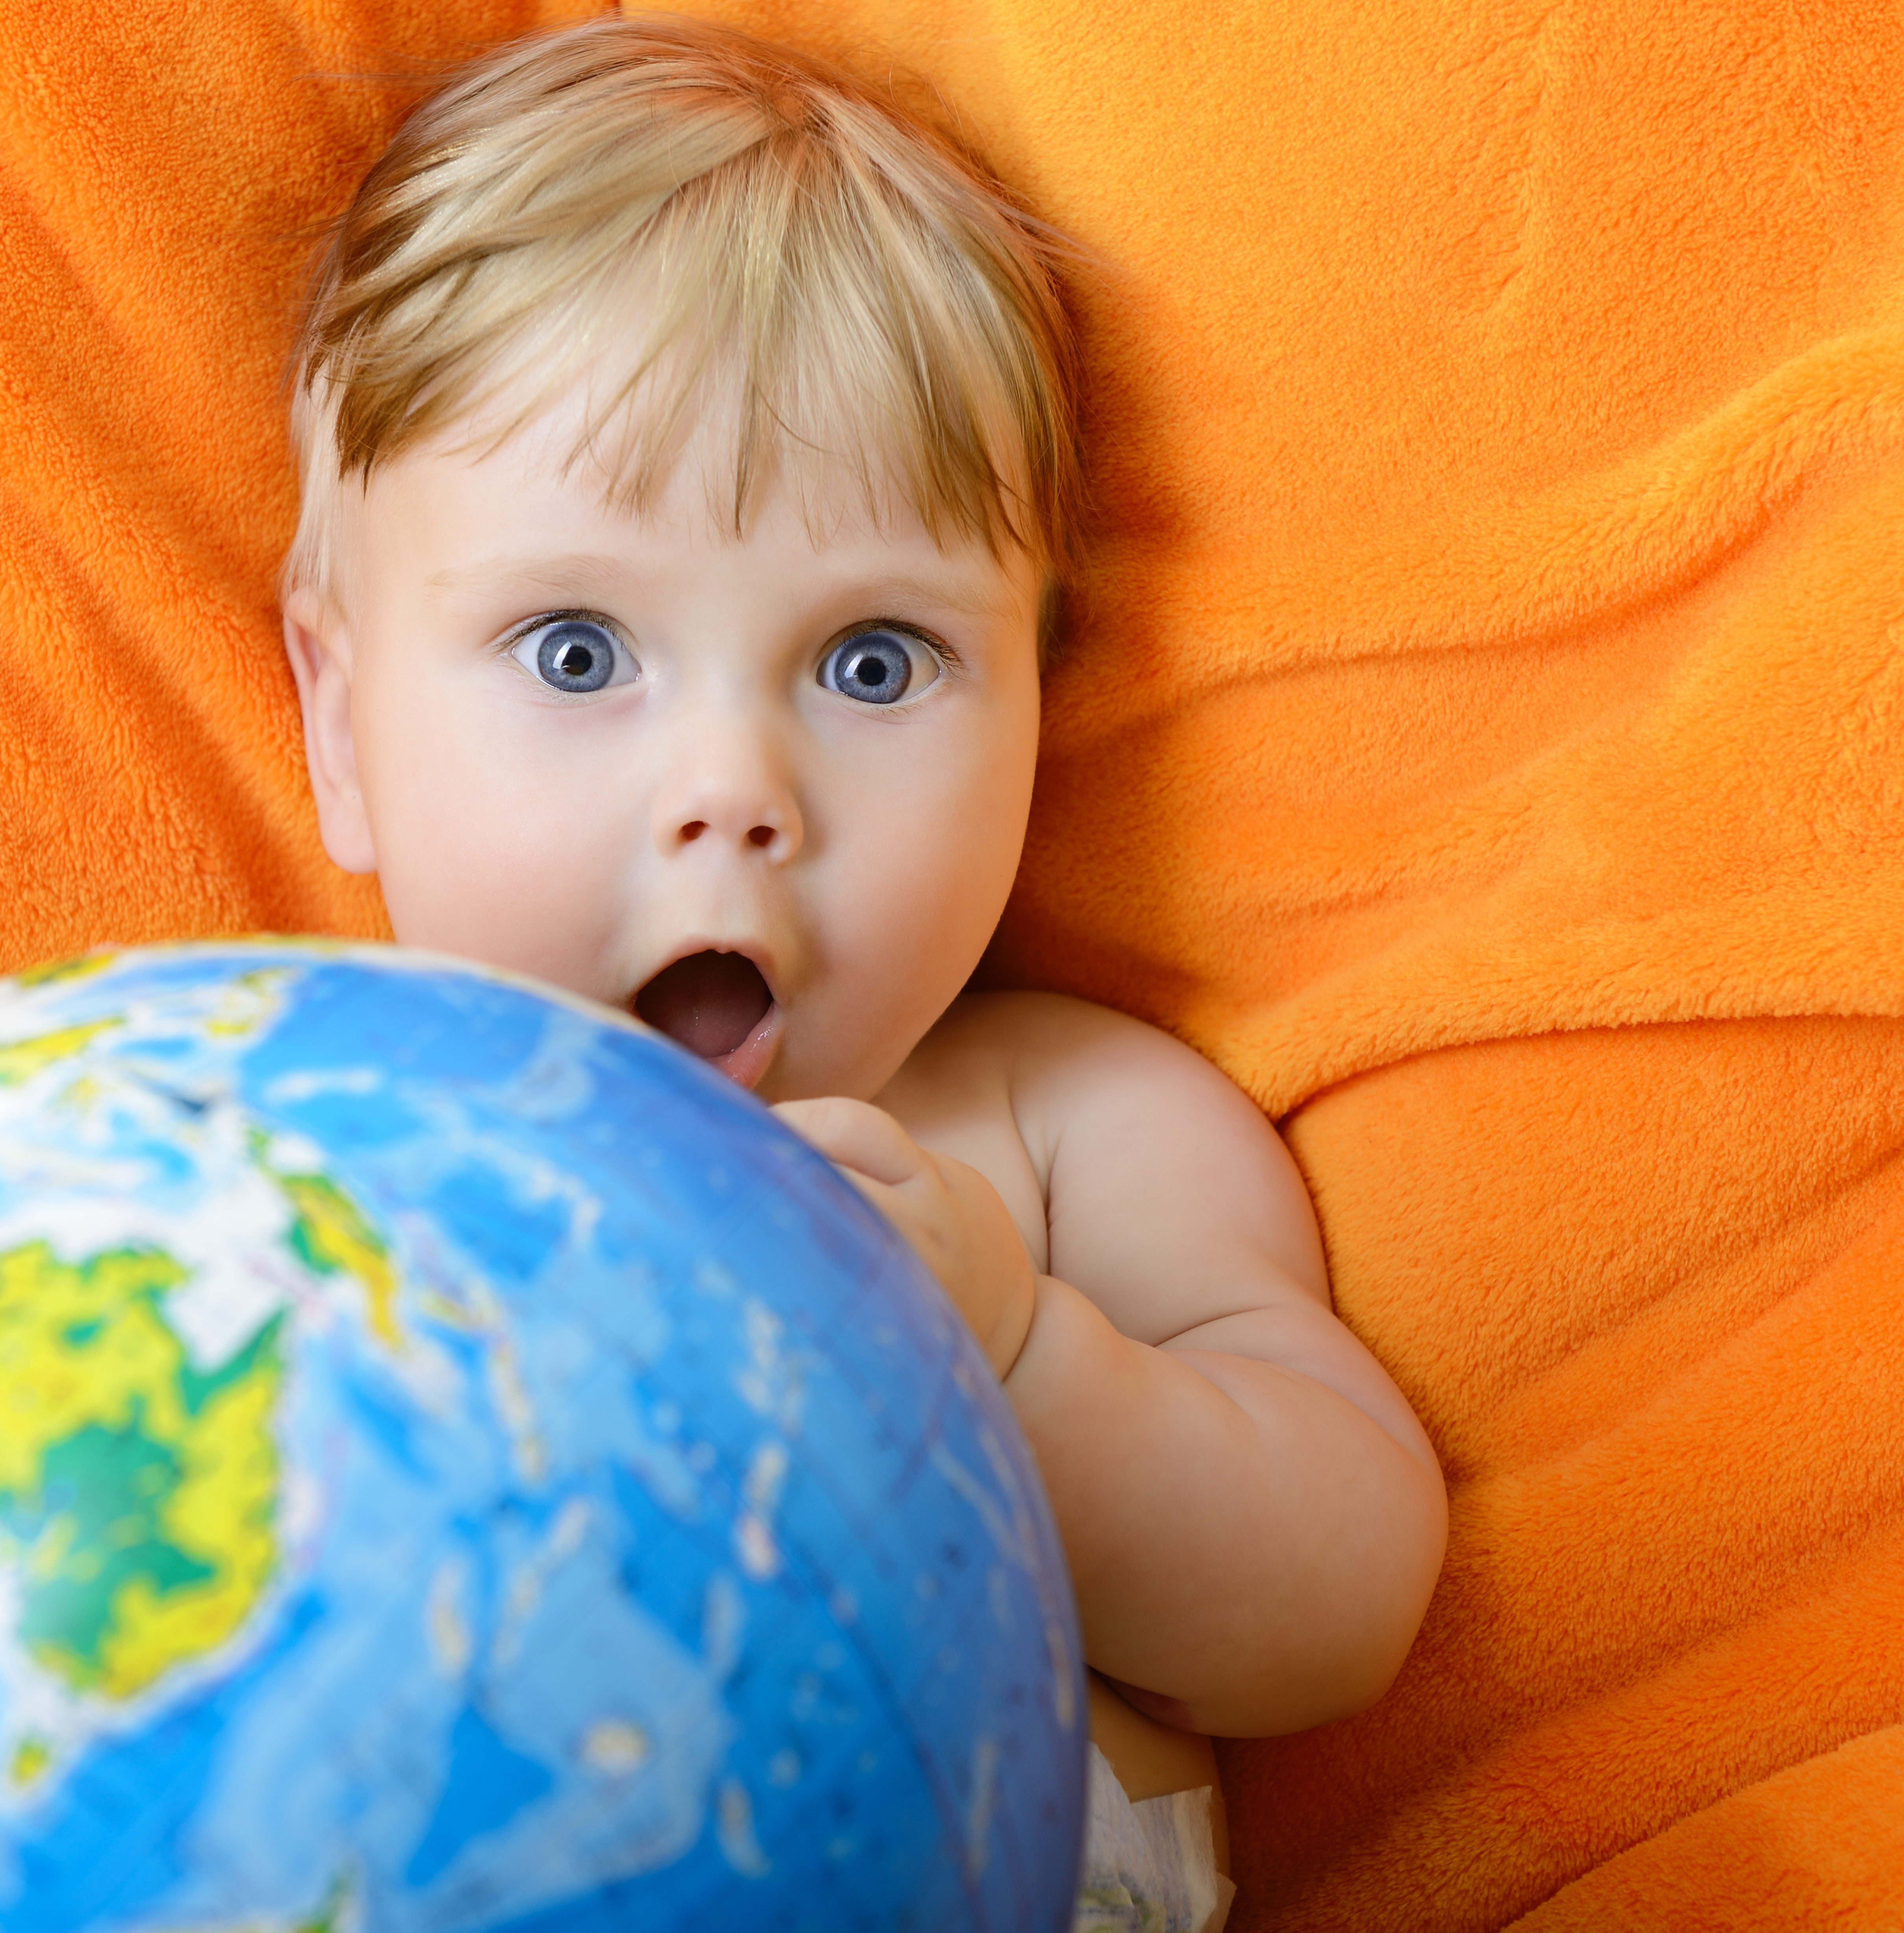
(717, 1006)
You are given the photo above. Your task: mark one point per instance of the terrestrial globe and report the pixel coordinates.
(463, 1466)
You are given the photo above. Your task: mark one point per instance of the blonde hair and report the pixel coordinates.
(671, 212)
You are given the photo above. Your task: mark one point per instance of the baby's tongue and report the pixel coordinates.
(709, 1003)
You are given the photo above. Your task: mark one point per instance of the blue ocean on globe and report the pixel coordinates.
(463, 1465)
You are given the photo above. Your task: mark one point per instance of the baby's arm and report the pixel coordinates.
(1254, 1517)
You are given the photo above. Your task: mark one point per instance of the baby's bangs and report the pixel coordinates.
(684, 226)
(844, 342)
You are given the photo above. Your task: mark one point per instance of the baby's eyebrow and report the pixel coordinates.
(882, 596)
(949, 592)
(552, 574)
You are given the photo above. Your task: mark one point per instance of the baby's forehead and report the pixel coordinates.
(708, 491)
(497, 522)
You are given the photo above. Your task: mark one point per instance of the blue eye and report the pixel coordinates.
(574, 654)
(878, 667)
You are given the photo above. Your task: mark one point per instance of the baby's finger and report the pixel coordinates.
(899, 1205)
(856, 1136)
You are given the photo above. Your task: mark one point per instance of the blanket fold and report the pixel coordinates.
(1676, 1462)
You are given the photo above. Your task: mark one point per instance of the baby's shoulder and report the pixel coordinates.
(1139, 1152)
(1038, 1060)
(1051, 1041)
(1034, 1028)
(986, 1084)
(1028, 1046)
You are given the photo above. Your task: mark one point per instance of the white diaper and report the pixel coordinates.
(1149, 1868)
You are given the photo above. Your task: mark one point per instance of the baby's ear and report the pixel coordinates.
(318, 646)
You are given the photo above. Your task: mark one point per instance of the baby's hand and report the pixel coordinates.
(950, 1212)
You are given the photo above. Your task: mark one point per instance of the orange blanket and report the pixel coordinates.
(1483, 734)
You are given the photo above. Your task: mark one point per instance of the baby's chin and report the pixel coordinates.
(796, 1073)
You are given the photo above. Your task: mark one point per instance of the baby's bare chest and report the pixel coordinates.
(955, 1105)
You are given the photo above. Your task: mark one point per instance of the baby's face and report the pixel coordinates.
(768, 792)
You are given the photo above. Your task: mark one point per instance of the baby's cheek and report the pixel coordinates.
(473, 865)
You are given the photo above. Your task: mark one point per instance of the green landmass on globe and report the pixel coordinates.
(141, 1491)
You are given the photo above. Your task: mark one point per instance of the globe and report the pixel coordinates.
(463, 1465)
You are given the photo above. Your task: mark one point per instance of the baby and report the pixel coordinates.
(688, 465)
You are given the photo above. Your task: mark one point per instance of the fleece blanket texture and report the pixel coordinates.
(1481, 732)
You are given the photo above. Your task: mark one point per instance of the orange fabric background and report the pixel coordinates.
(1482, 734)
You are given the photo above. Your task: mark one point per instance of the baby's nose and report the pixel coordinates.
(765, 835)
(730, 788)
